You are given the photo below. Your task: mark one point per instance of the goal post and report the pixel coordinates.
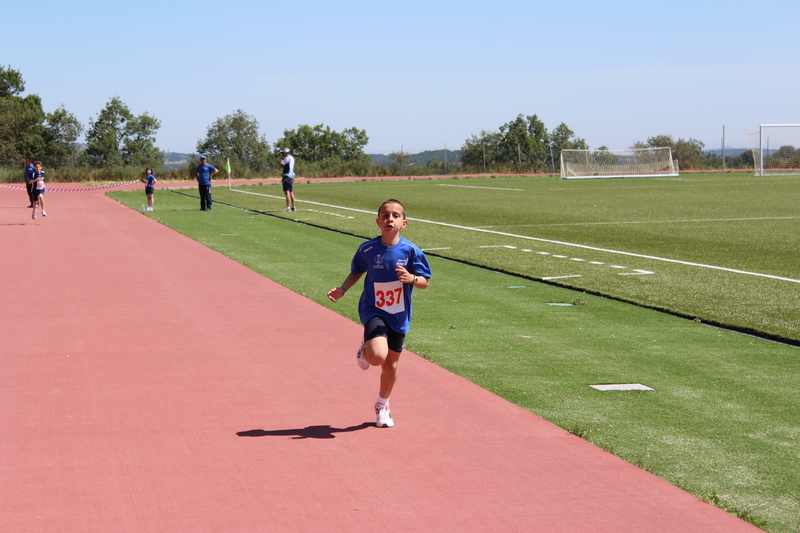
(778, 150)
(631, 163)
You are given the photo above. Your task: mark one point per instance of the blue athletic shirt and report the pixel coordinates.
(29, 172)
(204, 174)
(384, 295)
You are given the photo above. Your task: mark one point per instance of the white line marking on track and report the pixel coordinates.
(475, 187)
(331, 214)
(564, 277)
(654, 222)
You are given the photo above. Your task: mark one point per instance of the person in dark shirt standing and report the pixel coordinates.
(204, 173)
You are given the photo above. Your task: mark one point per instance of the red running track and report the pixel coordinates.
(150, 384)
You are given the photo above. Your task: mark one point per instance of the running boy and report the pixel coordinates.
(149, 187)
(38, 189)
(394, 266)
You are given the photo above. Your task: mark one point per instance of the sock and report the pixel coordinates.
(381, 401)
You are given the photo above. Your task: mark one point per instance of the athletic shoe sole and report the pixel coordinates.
(362, 363)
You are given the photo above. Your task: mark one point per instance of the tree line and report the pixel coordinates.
(119, 139)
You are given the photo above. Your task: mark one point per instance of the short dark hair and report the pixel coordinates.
(392, 201)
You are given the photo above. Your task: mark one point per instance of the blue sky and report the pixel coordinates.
(417, 74)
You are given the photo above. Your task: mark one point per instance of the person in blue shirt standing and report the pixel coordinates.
(29, 183)
(149, 181)
(394, 267)
(204, 173)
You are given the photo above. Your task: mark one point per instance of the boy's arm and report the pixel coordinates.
(419, 282)
(338, 292)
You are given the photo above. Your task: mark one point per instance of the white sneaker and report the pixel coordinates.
(33, 215)
(43, 213)
(363, 363)
(287, 209)
(384, 416)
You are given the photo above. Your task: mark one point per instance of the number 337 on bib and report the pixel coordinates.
(389, 297)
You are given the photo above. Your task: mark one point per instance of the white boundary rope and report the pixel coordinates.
(82, 189)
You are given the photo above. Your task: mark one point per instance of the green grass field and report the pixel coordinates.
(723, 419)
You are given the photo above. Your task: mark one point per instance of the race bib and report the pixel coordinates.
(389, 297)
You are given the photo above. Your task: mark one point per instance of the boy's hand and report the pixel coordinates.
(335, 293)
(404, 275)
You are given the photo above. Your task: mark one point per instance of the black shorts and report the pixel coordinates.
(149, 190)
(288, 184)
(376, 327)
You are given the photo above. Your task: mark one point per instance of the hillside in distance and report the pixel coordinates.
(422, 158)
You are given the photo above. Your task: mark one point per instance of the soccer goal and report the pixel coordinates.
(631, 163)
(777, 149)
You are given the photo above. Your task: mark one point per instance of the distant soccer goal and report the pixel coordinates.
(632, 163)
(777, 149)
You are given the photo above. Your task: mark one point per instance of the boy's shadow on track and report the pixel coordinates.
(310, 432)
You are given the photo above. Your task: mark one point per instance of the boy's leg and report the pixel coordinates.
(376, 351)
(389, 373)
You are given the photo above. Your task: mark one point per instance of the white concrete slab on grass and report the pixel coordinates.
(621, 386)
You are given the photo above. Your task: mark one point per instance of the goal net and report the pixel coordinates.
(631, 163)
(776, 149)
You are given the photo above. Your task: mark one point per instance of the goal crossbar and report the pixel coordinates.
(631, 163)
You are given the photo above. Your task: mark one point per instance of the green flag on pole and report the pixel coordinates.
(228, 166)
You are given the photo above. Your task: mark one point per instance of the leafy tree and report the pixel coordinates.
(21, 131)
(785, 157)
(63, 130)
(25, 129)
(563, 138)
(138, 146)
(689, 153)
(11, 83)
(118, 137)
(480, 149)
(398, 161)
(321, 144)
(236, 137)
(524, 141)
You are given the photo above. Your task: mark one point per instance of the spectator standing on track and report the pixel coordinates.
(38, 189)
(204, 173)
(287, 179)
(394, 267)
(149, 187)
(29, 171)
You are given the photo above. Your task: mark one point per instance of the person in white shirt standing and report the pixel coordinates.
(287, 179)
